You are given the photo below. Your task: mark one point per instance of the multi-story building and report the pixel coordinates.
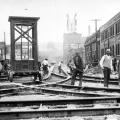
(110, 36)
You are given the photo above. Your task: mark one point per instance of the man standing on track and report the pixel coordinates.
(106, 65)
(78, 69)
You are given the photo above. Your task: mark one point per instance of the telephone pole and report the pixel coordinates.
(4, 46)
(89, 30)
(96, 21)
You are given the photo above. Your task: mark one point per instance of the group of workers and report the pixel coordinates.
(107, 63)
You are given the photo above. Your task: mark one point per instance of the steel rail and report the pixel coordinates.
(49, 113)
(62, 101)
(98, 77)
(87, 88)
(97, 80)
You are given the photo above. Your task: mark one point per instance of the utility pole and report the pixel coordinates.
(96, 20)
(89, 30)
(4, 46)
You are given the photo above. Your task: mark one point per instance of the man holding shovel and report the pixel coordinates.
(78, 69)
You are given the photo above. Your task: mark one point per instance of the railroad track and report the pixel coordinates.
(54, 86)
(99, 80)
(90, 106)
(71, 101)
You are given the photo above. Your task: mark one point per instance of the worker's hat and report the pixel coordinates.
(108, 51)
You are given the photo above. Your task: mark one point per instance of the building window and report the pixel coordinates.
(113, 50)
(112, 30)
(118, 27)
(102, 36)
(102, 52)
(106, 34)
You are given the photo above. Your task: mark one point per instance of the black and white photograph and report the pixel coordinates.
(60, 60)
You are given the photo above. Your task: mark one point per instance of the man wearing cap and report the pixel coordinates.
(78, 69)
(106, 65)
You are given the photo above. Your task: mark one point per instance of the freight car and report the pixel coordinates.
(24, 53)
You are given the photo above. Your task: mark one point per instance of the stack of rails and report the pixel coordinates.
(26, 109)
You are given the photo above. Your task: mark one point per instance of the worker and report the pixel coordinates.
(45, 66)
(60, 66)
(106, 65)
(70, 66)
(78, 69)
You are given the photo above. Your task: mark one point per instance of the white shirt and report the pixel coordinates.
(59, 64)
(106, 61)
(45, 62)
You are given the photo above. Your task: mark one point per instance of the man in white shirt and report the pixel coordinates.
(106, 65)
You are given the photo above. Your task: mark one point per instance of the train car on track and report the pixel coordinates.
(24, 53)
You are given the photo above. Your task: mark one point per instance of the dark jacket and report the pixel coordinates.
(78, 62)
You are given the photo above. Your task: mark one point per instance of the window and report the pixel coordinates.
(113, 50)
(102, 36)
(112, 30)
(23, 46)
(117, 27)
(102, 52)
(106, 34)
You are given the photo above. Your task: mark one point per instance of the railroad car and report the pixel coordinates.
(24, 53)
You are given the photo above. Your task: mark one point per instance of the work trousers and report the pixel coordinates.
(75, 73)
(106, 72)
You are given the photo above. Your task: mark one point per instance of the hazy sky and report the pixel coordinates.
(52, 13)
